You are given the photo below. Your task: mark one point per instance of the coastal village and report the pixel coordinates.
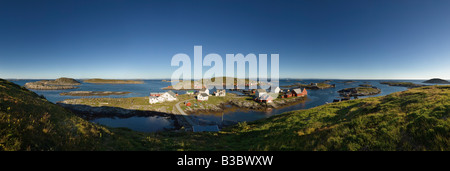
(183, 105)
(260, 96)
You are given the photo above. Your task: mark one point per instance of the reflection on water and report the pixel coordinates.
(143, 124)
(155, 123)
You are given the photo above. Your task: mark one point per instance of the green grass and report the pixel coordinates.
(417, 119)
(29, 122)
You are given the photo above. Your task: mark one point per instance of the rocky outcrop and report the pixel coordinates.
(245, 104)
(359, 91)
(58, 84)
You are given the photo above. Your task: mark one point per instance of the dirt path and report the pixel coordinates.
(185, 116)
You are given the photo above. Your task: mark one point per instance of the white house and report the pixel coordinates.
(260, 92)
(202, 97)
(153, 99)
(275, 90)
(205, 90)
(221, 92)
(167, 96)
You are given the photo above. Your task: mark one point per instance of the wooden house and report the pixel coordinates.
(202, 97)
(260, 92)
(264, 98)
(299, 93)
(205, 90)
(153, 99)
(220, 92)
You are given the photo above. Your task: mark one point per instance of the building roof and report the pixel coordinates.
(261, 90)
(153, 97)
(171, 93)
(265, 97)
(297, 90)
(203, 94)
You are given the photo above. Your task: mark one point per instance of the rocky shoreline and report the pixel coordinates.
(91, 112)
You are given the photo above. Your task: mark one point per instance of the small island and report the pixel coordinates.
(437, 81)
(206, 82)
(359, 91)
(58, 84)
(349, 81)
(365, 85)
(93, 93)
(112, 81)
(311, 86)
(401, 84)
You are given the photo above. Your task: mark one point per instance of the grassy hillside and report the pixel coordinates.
(29, 122)
(417, 119)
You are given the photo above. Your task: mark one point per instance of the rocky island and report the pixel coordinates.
(203, 83)
(93, 93)
(58, 84)
(311, 86)
(112, 81)
(437, 81)
(401, 84)
(359, 91)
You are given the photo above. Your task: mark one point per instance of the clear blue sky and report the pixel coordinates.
(374, 39)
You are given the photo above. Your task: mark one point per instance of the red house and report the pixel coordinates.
(287, 95)
(299, 93)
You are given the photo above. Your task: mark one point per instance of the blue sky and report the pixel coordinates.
(341, 39)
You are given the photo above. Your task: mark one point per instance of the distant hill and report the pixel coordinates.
(112, 81)
(212, 82)
(437, 81)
